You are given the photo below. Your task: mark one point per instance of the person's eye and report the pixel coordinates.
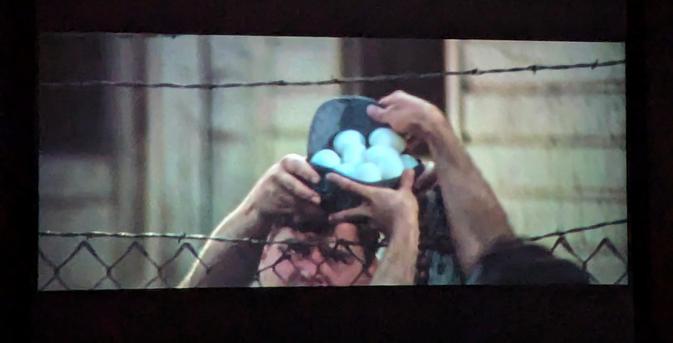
(298, 249)
(342, 257)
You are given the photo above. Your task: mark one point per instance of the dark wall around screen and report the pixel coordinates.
(124, 316)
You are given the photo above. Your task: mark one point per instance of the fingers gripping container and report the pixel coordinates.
(332, 117)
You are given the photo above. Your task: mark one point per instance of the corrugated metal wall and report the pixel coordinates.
(551, 144)
(188, 157)
(179, 160)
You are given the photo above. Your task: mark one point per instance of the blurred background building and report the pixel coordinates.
(551, 144)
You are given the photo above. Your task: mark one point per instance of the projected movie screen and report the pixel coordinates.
(187, 161)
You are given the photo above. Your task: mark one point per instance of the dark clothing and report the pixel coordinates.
(523, 263)
(507, 263)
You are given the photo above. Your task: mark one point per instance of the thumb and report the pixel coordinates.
(359, 212)
(376, 112)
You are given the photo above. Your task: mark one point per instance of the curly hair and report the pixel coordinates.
(368, 237)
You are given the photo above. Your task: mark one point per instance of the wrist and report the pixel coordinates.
(405, 228)
(432, 118)
(249, 220)
(435, 129)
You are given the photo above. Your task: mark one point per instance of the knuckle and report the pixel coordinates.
(361, 211)
(307, 194)
(284, 198)
(291, 159)
(275, 168)
(293, 156)
(286, 162)
(275, 176)
(290, 186)
(349, 186)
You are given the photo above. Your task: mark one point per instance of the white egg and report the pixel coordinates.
(367, 172)
(391, 166)
(408, 161)
(378, 152)
(347, 138)
(353, 154)
(326, 158)
(387, 159)
(346, 169)
(386, 136)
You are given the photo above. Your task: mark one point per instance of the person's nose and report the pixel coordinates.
(309, 267)
(316, 255)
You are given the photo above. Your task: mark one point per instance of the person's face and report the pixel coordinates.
(324, 264)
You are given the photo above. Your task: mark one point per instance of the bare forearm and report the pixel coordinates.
(398, 266)
(473, 212)
(231, 264)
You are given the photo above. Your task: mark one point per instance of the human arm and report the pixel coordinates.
(398, 266)
(231, 264)
(281, 191)
(395, 213)
(476, 218)
(519, 262)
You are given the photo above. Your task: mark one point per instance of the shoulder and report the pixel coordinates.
(518, 262)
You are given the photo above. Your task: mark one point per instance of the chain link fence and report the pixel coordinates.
(297, 255)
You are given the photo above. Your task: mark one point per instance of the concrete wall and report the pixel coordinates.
(551, 144)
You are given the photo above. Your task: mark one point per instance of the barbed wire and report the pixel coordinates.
(178, 236)
(201, 237)
(361, 79)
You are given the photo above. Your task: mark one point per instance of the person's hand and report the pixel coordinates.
(383, 206)
(407, 114)
(284, 190)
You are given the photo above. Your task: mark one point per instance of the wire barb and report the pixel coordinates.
(360, 79)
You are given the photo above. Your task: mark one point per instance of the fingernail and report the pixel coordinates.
(315, 179)
(315, 199)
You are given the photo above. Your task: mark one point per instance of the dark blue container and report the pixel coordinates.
(332, 117)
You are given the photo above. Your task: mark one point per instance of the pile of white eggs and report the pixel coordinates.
(382, 160)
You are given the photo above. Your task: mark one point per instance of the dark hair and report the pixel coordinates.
(368, 237)
(432, 225)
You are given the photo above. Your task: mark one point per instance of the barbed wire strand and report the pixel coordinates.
(178, 236)
(361, 79)
(185, 236)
